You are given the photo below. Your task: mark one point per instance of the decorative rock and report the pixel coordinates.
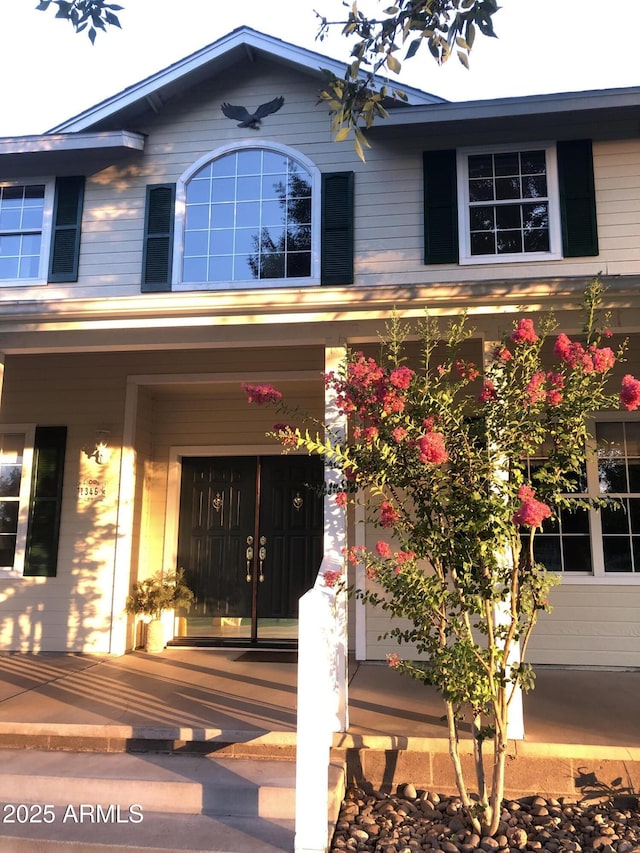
(519, 838)
(360, 834)
(379, 823)
(407, 791)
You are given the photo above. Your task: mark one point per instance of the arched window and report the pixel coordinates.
(249, 216)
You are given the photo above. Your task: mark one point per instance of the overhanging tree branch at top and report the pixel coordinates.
(85, 15)
(444, 26)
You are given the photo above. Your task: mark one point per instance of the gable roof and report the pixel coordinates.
(240, 45)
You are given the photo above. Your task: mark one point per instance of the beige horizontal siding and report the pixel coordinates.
(388, 203)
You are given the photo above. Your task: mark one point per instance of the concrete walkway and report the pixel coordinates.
(253, 694)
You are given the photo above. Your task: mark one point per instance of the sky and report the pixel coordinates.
(48, 73)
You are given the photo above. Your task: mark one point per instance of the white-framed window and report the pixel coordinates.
(16, 460)
(25, 231)
(508, 204)
(601, 543)
(248, 216)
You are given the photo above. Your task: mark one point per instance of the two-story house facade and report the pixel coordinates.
(155, 254)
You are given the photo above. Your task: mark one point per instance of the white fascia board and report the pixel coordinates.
(529, 105)
(48, 143)
(244, 36)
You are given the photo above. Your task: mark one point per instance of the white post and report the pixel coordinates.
(322, 657)
(316, 707)
(335, 539)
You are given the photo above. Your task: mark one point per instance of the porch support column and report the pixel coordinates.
(335, 535)
(515, 724)
(124, 529)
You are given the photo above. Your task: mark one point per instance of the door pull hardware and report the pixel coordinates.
(217, 502)
(262, 556)
(249, 556)
(298, 501)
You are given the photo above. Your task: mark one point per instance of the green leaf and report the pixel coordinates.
(413, 48)
(393, 64)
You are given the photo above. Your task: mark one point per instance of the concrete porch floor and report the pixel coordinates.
(252, 694)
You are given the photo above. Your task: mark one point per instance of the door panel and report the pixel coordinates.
(216, 514)
(291, 520)
(224, 501)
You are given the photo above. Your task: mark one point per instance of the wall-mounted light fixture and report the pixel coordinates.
(99, 452)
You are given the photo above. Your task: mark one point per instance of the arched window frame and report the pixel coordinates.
(180, 216)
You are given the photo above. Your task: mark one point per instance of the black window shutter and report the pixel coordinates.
(440, 207)
(65, 234)
(157, 254)
(577, 198)
(337, 228)
(43, 529)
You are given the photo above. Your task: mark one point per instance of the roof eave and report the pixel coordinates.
(62, 142)
(527, 106)
(150, 87)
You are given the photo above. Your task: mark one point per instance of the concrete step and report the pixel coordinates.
(180, 784)
(78, 801)
(157, 833)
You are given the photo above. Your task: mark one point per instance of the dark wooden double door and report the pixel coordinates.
(250, 542)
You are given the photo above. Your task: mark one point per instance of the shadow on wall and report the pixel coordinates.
(70, 612)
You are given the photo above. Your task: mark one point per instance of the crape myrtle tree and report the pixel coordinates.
(441, 454)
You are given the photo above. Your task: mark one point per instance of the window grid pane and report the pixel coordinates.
(619, 478)
(508, 203)
(248, 216)
(563, 544)
(11, 458)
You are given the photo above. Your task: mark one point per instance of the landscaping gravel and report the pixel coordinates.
(412, 821)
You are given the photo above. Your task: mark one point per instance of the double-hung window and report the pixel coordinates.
(16, 454)
(603, 541)
(25, 223)
(509, 206)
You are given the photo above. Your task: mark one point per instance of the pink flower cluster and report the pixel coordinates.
(488, 392)
(341, 499)
(368, 390)
(331, 577)
(394, 660)
(401, 377)
(524, 333)
(261, 394)
(432, 449)
(467, 370)
(630, 393)
(383, 549)
(355, 554)
(502, 353)
(531, 512)
(403, 557)
(388, 514)
(593, 359)
(536, 392)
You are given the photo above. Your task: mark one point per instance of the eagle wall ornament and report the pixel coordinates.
(254, 120)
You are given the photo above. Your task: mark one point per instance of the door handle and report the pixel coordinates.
(249, 557)
(262, 556)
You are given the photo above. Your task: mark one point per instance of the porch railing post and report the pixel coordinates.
(322, 657)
